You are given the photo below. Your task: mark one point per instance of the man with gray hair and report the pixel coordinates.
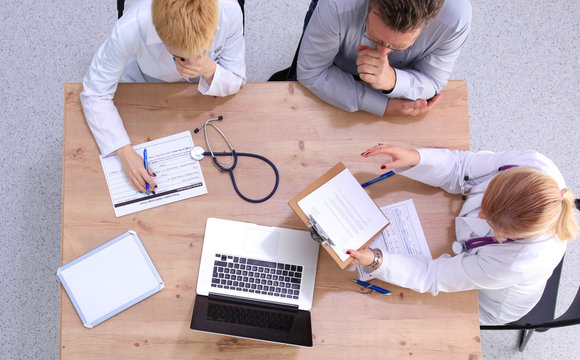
(386, 57)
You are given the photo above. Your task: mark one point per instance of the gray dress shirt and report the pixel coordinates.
(328, 54)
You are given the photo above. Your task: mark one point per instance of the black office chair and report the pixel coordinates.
(290, 72)
(121, 8)
(541, 317)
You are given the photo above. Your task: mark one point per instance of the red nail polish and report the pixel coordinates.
(348, 252)
(383, 167)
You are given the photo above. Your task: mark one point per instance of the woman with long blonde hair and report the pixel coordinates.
(511, 232)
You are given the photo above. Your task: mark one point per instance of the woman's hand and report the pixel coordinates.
(134, 170)
(194, 67)
(400, 157)
(362, 257)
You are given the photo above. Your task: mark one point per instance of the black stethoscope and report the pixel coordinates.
(473, 181)
(198, 153)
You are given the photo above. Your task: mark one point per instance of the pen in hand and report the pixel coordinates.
(384, 176)
(146, 168)
(372, 287)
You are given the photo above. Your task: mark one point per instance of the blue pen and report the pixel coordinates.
(146, 168)
(372, 287)
(384, 176)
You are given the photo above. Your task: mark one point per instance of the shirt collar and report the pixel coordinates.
(152, 37)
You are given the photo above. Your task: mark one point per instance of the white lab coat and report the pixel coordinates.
(135, 53)
(510, 277)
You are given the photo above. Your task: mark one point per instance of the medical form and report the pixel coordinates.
(404, 236)
(178, 177)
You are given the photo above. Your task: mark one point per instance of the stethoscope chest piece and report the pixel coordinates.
(458, 247)
(197, 153)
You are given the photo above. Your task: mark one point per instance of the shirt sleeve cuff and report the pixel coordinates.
(120, 141)
(373, 101)
(428, 162)
(209, 89)
(212, 89)
(402, 85)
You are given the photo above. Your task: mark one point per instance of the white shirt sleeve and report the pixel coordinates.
(100, 83)
(230, 73)
(446, 169)
(448, 274)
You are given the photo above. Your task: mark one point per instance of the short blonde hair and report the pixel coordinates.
(186, 25)
(522, 202)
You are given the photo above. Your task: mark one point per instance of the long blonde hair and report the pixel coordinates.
(522, 202)
(186, 25)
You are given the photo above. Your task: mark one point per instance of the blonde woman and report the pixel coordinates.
(512, 229)
(162, 40)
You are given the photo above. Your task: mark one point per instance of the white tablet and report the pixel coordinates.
(109, 279)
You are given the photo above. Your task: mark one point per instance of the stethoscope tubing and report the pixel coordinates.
(460, 246)
(198, 156)
(230, 170)
(473, 181)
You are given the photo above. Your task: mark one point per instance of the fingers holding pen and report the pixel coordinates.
(147, 177)
(135, 170)
(138, 177)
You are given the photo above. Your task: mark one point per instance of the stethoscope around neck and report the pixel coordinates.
(460, 246)
(198, 153)
(473, 181)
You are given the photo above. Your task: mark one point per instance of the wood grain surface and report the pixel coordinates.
(304, 137)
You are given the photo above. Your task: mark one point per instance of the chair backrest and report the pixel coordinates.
(570, 317)
(545, 309)
(120, 8)
(541, 317)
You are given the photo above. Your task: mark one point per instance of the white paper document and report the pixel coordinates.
(344, 210)
(404, 235)
(178, 177)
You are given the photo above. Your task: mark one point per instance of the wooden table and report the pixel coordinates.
(304, 137)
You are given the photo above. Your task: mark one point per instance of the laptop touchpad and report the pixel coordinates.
(261, 242)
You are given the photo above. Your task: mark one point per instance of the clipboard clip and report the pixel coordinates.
(317, 233)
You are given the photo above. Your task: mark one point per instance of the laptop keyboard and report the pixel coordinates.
(252, 317)
(257, 276)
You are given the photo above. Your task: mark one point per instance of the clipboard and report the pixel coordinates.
(314, 230)
(110, 279)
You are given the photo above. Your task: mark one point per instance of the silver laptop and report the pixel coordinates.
(256, 282)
